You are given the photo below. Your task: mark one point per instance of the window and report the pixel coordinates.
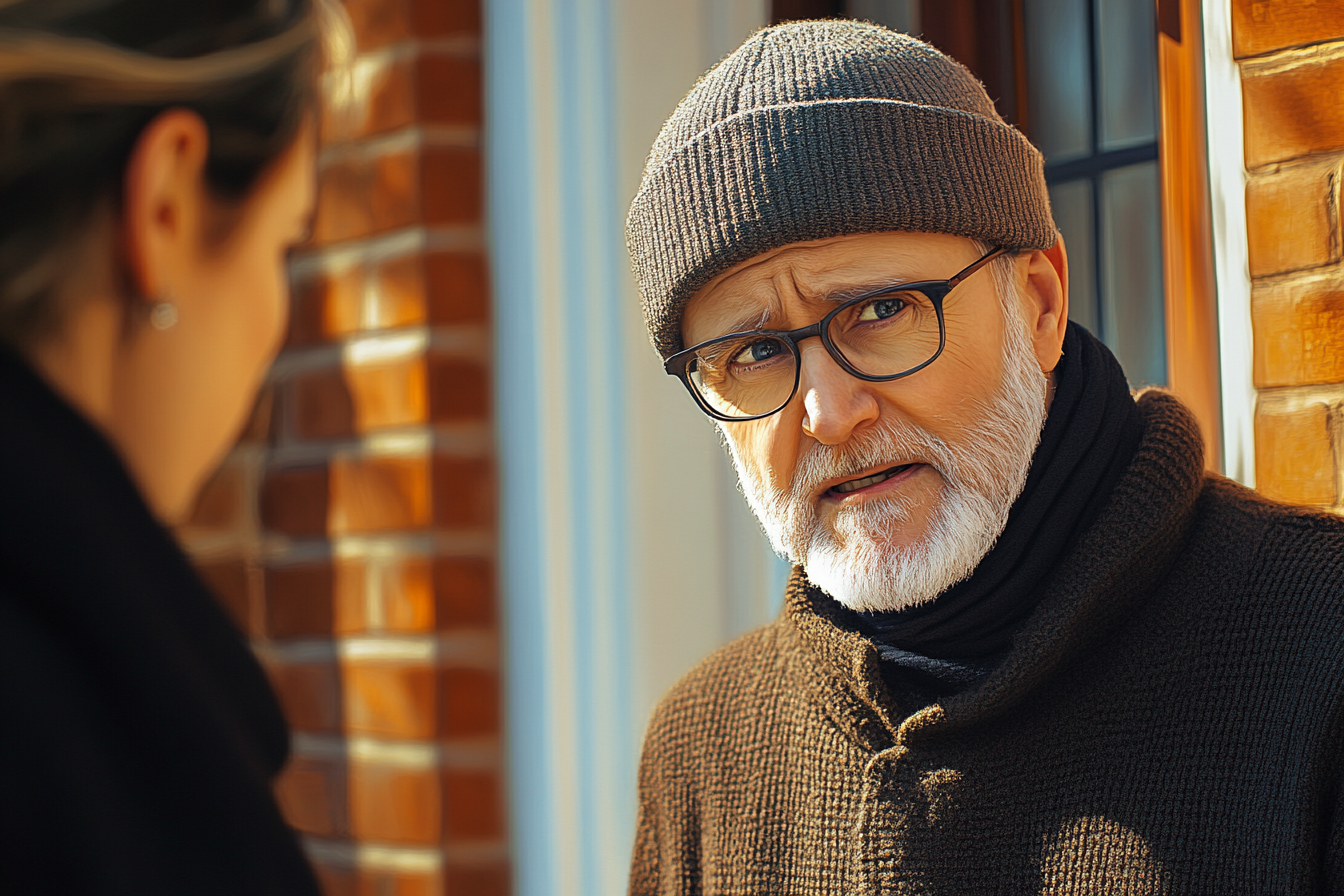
(1093, 113)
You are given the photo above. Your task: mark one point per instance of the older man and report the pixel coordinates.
(1029, 646)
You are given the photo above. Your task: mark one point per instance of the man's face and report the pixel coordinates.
(888, 493)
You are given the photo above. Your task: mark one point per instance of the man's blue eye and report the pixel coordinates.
(881, 309)
(760, 350)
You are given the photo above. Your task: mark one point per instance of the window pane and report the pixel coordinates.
(901, 15)
(1072, 205)
(1059, 78)
(1131, 240)
(1127, 72)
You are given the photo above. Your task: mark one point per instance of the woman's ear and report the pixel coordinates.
(1046, 293)
(163, 200)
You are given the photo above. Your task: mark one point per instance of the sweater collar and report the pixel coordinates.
(1120, 557)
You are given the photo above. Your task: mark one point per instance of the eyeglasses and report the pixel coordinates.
(879, 336)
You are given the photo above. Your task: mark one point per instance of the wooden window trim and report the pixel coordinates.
(1193, 371)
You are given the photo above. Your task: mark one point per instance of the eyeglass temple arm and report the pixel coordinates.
(975, 266)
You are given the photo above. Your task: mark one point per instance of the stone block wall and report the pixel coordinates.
(352, 531)
(1291, 55)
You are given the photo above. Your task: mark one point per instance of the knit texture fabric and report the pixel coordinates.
(1168, 721)
(818, 129)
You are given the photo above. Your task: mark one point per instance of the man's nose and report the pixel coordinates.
(834, 402)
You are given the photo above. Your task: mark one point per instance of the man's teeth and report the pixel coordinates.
(845, 488)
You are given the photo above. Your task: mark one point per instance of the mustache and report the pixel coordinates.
(895, 442)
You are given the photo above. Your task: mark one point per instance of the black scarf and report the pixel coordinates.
(1089, 437)
(140, 733)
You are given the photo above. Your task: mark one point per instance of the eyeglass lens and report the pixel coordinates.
(754, 373)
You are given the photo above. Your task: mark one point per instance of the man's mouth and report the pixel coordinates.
(854, 485)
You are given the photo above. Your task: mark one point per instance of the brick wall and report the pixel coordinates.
(1291, 55)
(352, 530)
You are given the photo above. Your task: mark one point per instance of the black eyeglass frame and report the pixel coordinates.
(935, 290)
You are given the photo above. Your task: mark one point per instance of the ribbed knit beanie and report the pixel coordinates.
(817, 129)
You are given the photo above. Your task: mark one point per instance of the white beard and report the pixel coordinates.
(983, 472)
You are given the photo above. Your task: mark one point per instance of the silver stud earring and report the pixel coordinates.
(163, 316)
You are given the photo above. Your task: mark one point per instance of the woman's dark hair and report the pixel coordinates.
(80, 80)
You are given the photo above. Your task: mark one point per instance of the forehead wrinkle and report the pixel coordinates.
(816, 285)
(747, 322)
(795, 274)
(788, 281)
(750, 309)
(766, 292)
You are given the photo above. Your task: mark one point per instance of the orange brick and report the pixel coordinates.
(1292, 113)
(358, 197)
(346, 881)
(391, 393)
(470, 702)
(299, 601)
(464, 592)
(464, 492)
(1299, 334)
(390, 104)
(350, 597)
(336, 880)
(312, 793)
(1294, 459)
(451, 180)
(310, 693)
(378, 23)
(1291, 219)
(407, 589)
(326, 306)
(439, 18)
(294, 500)
(221, 501)
(401, 293)
(473, 805)
(391, 699)
(449, 90)
(231, 583)
(1262, 26)
(458, 285)
(379, 494)
(380, 882)
(396, 190)
(492, 879)
(320, 404)
(343, 203)
(459, 390)
(394, 805)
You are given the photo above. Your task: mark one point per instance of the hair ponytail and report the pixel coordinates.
(80, 79)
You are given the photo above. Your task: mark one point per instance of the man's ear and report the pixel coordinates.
(1046, 292)
(163, 199)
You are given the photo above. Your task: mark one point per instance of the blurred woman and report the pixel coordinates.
(156, 165)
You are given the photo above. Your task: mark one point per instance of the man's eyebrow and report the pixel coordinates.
(844, 294)
(745, 323)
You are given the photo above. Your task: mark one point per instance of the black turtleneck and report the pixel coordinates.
(1089, 437)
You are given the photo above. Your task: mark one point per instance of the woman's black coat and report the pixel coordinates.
(138, 734)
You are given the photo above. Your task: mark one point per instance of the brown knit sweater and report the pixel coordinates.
(1169, 721)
